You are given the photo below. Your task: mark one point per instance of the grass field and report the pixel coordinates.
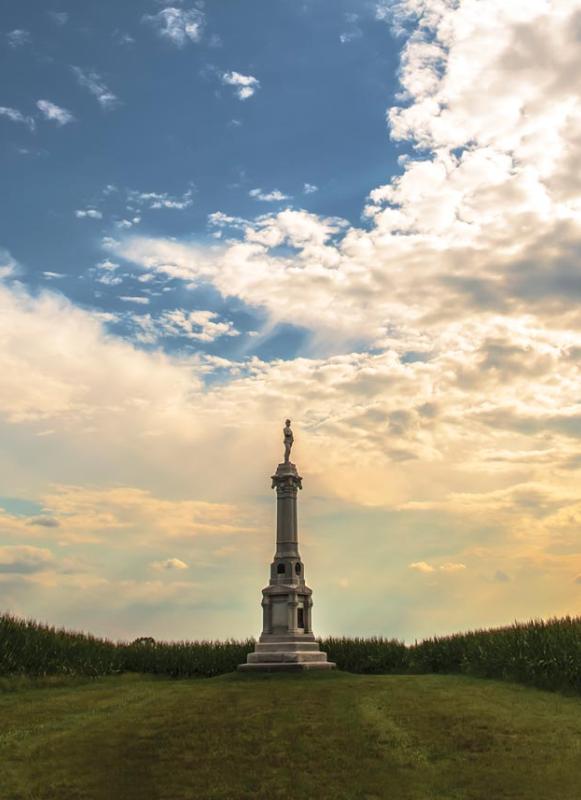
(340, 736)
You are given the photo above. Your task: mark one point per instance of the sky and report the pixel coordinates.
(363, 215)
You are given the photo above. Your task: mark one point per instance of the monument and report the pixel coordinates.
(287, 642)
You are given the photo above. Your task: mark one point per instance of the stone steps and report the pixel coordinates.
(297, 655)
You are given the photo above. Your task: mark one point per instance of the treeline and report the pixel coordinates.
(546, 654)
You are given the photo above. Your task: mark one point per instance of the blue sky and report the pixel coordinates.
(314, 130)
(364, 216)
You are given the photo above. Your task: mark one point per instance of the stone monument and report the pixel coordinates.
(287, 642)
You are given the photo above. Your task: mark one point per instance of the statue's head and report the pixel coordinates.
(287, 422)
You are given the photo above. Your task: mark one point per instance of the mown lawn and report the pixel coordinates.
(340, 736)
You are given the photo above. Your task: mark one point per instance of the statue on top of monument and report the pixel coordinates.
(288, 441)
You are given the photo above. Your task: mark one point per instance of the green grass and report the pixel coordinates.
(339, 736)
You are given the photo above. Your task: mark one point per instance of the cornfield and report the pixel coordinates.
(27, 648)
(546, 654)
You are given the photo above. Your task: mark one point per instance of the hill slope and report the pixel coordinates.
(336, 736)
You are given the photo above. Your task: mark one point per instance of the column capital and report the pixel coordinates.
(287, 476)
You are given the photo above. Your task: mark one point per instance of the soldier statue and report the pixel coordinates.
(288, 441)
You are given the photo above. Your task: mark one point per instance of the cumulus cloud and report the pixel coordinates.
(14, 115)
(203, 326)
(55, 113)
(179, 25)
(244, 85)
(92, 81)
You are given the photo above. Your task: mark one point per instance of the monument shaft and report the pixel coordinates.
(287, 641)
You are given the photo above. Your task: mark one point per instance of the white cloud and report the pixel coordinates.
(55, 113)
(268, 197)
(169, 564)
(310, 188)
(125, 224)
(17, 116)
(220, 220)
(88, 213)
(107, 265)
(18, 37)
(91, 80)
(244, 85)
(53, 275)
(159, 200)
(203, 326)
(178, 25)
(144, 301)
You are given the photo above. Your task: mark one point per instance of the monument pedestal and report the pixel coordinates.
(287, 642)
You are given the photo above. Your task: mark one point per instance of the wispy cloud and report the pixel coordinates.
(274, 196)
(177, 24)
(53, 275)
(143, 301)
(91, 80)
(24, 559)
(169, 564)
(18, 37)
(244, 85)
(353, 31)
(310, 188)
(17, 116)
(8, 264)
(59, 17)
(55, 113)
(426, 568)
(158, 200)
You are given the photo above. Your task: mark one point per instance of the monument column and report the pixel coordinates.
(287, 641)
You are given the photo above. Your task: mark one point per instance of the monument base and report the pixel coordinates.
(275, 666)
(286, 654)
